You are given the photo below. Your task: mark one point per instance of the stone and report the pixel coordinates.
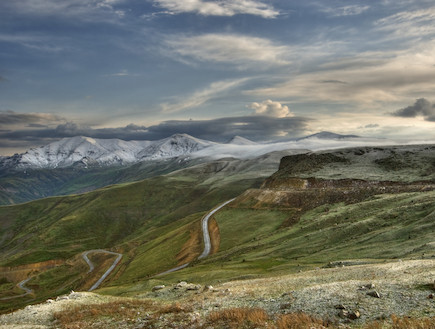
(340, 307)
(430, 296)
(192, 286)
(351, 315)
(180, 285)
(159, 287)
(374, 293)
(343, 313)
(354, 315)
(284, 306)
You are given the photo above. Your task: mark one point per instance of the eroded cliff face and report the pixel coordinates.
(292, 188)
(412, 163)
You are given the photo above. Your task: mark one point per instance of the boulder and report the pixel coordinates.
(159, 287)
(374, 293)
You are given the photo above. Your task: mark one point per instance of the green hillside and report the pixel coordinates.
(288, 225)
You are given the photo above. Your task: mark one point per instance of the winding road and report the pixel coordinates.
(205, 253)
(22, 286)
(206, 237)
(92, 267)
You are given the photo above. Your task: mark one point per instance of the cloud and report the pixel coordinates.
(363, 79)
(371, 126)
(222, 129)
(270, 108)
(421, 107)
(200, 97)
(83, 10)
(13, 118)
(351, 10)
(240, 50)
(416, 23)
(253, 127)
(218, 8)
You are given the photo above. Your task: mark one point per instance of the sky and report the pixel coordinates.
(264, 70)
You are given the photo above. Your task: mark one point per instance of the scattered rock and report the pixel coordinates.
(64, 297)
(430, 296)
(192, 286)
(374, 293)
(284, 306)
(180, 285)
(367, 286)
(343, 313)
(159, 287)
(340, 307)
(353, 315)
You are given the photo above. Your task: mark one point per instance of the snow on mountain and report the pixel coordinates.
(174, 146)
(85, 151)
(82, 150)
(238, 140)
(328, 135)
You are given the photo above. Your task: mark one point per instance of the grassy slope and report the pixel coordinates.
(26, 185)
(148, 221)
(253, 242)
(259, 237)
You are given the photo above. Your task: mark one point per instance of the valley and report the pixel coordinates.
(324, 224)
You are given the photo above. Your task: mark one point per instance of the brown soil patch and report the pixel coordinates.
(215, 237)
(19, 273)
(193, 247)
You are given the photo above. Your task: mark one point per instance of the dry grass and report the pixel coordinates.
(147, 314)
(411, 323)
(88, 316)
(174, 308)
(239, 318)
(301, 321)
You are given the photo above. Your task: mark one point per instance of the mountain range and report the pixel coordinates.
(87, 152)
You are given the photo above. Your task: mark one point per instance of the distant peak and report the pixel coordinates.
(180, 135)
(328, 135)
(238, 140)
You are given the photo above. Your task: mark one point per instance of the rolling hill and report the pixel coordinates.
(318, 211)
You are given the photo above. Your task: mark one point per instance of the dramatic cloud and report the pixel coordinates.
(218, 8)
(362, 79)
(222, 129)
(421, 107)
(242, 51)
(200, 97)
(270, 108)
(13, 118)
(253, 127)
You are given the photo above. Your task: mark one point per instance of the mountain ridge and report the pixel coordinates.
(86, 151)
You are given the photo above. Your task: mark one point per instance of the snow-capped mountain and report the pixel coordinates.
(174, 146)
(238, 140)
(80, 150)
(328, 135)
(85, 151)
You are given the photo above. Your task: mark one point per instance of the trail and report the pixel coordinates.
(92, 267)
(206, 237)
(22, 286)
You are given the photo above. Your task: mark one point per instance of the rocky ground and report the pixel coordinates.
(350, 295)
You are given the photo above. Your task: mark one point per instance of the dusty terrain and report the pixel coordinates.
(405, 288)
